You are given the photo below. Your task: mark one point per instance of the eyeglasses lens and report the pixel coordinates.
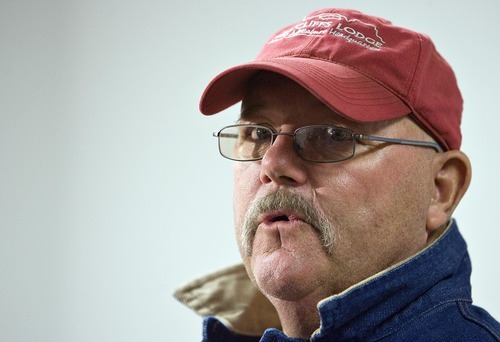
(245, 142)
(324, 143)
(312, 143)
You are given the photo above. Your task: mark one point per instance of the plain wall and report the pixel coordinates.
(112, 192)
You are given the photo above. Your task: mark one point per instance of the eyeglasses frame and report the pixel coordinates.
(355, 136)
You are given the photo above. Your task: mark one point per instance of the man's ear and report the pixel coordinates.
(452, 176)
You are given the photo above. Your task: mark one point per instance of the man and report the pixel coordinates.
(347, 172)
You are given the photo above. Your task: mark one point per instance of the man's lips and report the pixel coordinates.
(279, 216)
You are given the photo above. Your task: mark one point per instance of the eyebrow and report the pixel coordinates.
(249, 111)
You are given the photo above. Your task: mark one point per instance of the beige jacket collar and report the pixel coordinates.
(230, 296)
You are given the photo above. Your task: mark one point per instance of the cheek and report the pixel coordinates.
(372, 204)
(367, 186)
(346, 193)
(245, 181)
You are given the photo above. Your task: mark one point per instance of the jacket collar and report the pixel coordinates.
(386, 297)
(230, 296)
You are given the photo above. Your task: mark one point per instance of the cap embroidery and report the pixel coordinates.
(338, 25)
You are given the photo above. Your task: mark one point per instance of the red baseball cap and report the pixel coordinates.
(361, 67)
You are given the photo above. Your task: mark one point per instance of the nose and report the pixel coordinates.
(282, 165)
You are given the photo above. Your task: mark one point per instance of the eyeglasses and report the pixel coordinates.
(316, 143)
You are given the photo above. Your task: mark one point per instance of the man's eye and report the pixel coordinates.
(338, 134)
(259, 133)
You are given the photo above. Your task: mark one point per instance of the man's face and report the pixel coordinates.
(372, 208)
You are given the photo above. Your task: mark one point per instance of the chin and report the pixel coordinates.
(285, 276)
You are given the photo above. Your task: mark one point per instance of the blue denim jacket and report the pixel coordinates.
(425, 298)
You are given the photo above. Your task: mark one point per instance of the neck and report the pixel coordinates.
(299, 319)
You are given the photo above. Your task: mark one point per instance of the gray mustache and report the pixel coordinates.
(285, 199)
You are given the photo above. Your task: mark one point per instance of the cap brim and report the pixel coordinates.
(342, 89)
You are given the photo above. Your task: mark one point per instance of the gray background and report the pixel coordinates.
(112, 192)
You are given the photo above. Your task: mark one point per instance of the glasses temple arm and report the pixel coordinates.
(224, 135)
(400, 141)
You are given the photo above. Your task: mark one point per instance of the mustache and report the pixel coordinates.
(289, 200)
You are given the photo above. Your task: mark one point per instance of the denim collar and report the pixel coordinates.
(397, 294)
